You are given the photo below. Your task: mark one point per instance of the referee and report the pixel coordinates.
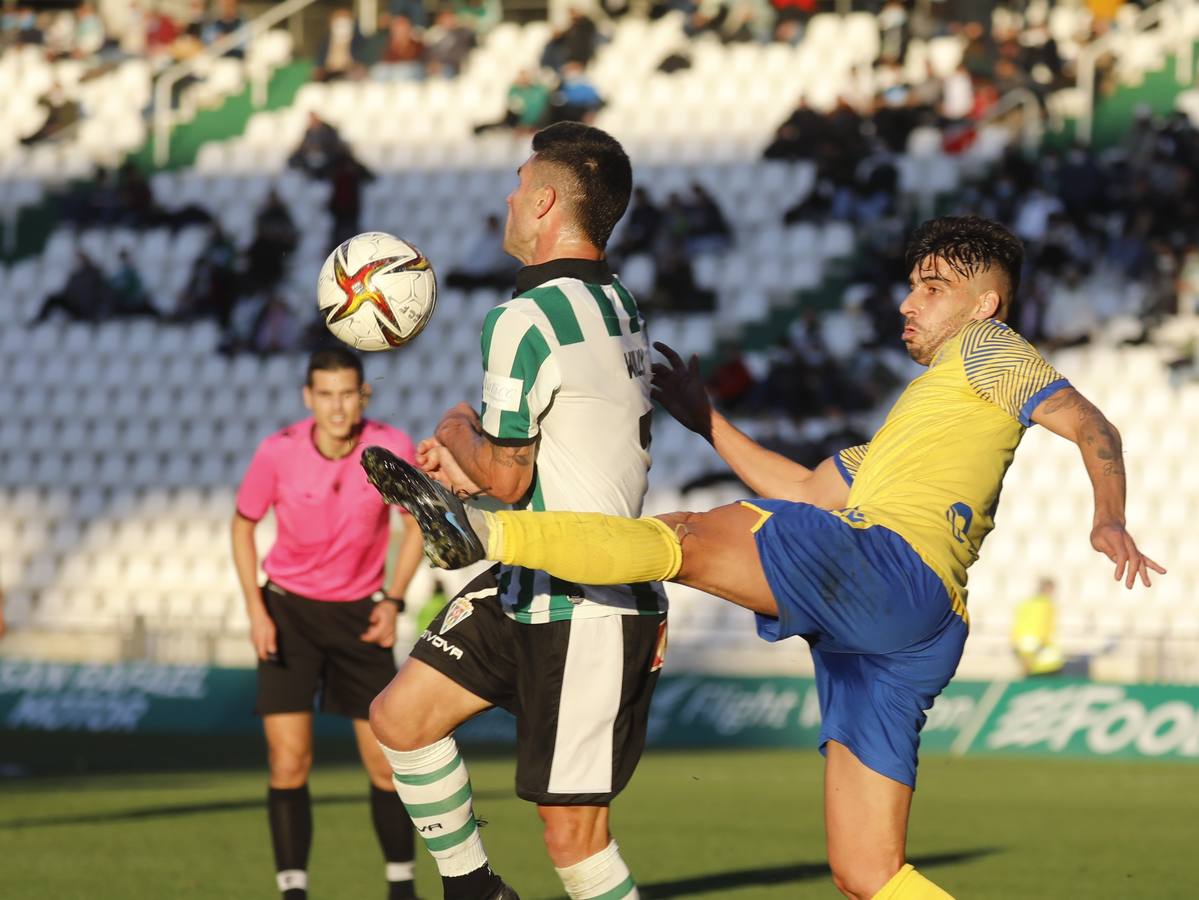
(321, 626)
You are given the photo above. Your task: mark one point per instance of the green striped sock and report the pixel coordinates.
(435, 787)
(603, 876)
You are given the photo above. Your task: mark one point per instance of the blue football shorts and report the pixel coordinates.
(885, 639)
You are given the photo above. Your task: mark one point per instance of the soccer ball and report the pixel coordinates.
(376, 292)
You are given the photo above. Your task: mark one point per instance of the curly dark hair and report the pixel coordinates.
(969, 245)
(600, 170)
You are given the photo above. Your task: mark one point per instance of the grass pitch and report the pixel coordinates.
(744, 825)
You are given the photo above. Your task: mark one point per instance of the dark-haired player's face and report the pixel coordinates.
(939, 303)
(520, 231)
(336, 400)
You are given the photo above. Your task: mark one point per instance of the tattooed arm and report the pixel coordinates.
(1071, 415)
(502, 471)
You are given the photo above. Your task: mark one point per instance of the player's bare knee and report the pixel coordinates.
(288, 769)
(400, 725)
(390, 729)
(861, 880)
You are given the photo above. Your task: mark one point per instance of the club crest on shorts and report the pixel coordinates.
(460, 609)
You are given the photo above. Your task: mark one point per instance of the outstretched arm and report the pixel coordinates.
(1071, 415)
(678, 387)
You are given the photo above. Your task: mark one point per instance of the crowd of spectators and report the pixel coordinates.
(669, 236)
(148, 31)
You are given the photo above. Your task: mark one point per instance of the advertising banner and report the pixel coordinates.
(1056, 717)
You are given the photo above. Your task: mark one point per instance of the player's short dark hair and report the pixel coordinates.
(969, 245)
(600, 169)
(333, 359)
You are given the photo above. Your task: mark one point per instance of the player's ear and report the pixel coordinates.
(988, 305)
(546, 198)
(307, 397)
(366, 391)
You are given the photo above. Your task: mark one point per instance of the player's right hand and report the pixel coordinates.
(1110, 539)
(678, 386)
(263, 635)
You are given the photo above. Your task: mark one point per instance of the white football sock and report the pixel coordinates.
(602, 875)
(435, 787)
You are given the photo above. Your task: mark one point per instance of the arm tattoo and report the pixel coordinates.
(509, 457)
(1099, 434)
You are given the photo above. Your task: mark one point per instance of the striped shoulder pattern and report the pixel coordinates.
(1006, 370)
(520, 375)
(849, 461)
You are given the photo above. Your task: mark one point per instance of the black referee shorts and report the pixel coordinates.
(580, 689)
(321, 662)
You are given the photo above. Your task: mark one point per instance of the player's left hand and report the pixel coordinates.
(1111, 539)
(440, 465)
(382, 630)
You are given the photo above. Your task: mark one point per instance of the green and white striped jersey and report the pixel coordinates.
(566, 364)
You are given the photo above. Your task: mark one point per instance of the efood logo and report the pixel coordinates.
(960, 516)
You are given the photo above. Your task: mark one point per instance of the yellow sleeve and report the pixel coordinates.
(849, 461)
(1006, 370)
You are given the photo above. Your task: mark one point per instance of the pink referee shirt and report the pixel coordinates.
(333, 527)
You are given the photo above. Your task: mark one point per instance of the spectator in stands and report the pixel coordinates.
(275, 236)
(527, 105)
(642, 225)
(85, 297)
(134, 196)
(412, 10)
(277, 330)
(675, 288)
(448, 42)
(480, 15)
(211, 291)
(577, 42)
(893, 30)
(89, 38)
(227, 21)
(343, 53)
(61, 114)
(1034, 632)
(127, 293)
(576, 99)
(485, 264)
(161, 34)
(319, 150)
(707, 229)
(730, 381)
(346, 180)
(402, 57)
(20, 26)
(190, 40)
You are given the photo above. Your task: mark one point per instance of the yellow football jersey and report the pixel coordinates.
(933, 472)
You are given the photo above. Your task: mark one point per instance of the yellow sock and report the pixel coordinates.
(586, 548)
(908, 884)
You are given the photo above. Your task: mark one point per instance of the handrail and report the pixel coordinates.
(1161, 14)
(164, 117)
(1032, 126)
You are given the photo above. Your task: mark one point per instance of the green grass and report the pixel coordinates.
(702, 824)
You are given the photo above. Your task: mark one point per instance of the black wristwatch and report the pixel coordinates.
(381, 597)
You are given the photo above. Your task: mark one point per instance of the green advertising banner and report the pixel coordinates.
(1081, 718)
(1041, 717)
